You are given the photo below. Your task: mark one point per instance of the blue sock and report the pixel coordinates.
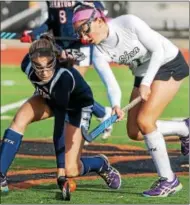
(59, 140)
(59, 151)
(98, 110)
(93, 164)
(10, 146)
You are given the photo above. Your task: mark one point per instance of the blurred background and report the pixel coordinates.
(169, 18)
(172, 18)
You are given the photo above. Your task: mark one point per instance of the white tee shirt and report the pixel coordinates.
(131, 42)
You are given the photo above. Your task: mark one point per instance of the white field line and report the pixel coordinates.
(6, 117)
(11, 106)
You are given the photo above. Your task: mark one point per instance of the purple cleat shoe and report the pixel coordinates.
(163, 188)
(185, 141)
(111, 176)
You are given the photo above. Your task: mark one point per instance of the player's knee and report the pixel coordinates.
(72, 171)
(134, 133)
(145, 124)
(20, 123)
(131, 133)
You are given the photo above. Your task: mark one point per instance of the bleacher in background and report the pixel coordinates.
(17, 16)
(169, 18)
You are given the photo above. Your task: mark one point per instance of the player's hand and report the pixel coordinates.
(145, 92)
(117, 110)
(72, 54)
(26, 37)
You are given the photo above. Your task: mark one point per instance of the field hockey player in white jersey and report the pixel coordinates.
(159, 70)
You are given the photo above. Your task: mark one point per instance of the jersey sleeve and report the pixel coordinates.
(103, 68)
(150, 40)
(63, 89)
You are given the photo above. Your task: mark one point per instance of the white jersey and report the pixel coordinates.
(131, 42)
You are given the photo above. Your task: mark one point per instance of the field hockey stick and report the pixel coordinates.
(13, 35)
(105, 124)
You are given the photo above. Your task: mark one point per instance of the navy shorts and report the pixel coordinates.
(176, 68)
(77, 118)
(80, 118)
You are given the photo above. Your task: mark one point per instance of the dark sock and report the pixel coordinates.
(10, 146)
(93, 164)
(59, 151)
(59, 140)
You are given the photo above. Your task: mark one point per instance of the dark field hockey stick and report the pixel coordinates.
(105, 124)
(12, 35)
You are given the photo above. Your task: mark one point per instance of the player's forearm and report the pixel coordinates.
(109, 80)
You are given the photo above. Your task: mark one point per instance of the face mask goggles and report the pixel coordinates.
(85, 27)
(43, 52)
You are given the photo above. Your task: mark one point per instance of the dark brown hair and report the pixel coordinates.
(41, 47)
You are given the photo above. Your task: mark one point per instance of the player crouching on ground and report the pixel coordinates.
(63, 93)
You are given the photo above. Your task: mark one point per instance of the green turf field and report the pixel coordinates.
(93, 192)
(88, 191)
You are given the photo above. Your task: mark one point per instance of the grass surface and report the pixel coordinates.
(96, 192)
(88, 191)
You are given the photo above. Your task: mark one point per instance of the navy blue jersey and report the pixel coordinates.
(60, 19)
(67, 90)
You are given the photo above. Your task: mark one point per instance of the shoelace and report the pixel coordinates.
(184, 140)
(2, 177)
(106, 175)
(157, 183)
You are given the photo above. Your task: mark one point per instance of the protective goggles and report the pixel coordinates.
(48, 67)
(43, 52)
(85, 27)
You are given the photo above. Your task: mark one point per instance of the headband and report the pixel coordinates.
(86, 14)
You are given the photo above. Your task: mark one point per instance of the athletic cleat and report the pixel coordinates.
(4, 185)
(163, 188)
(108, 131)
(86, 143)
(63, 184)
(185, 141)
(111, 176)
